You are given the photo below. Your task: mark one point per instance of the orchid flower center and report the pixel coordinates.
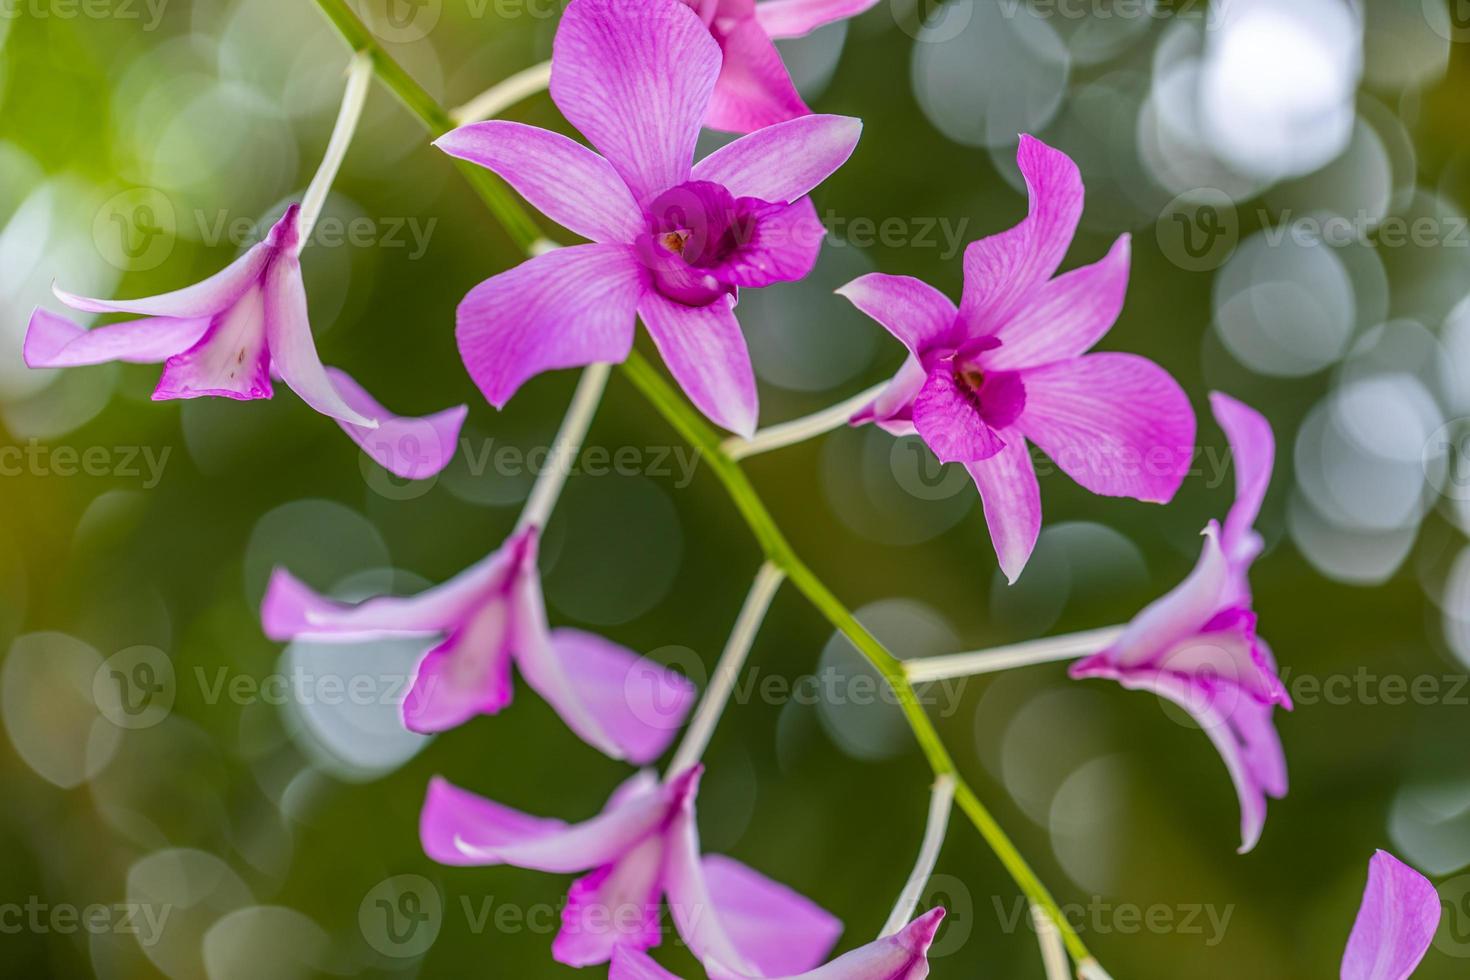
(695, 231)
(997, 396)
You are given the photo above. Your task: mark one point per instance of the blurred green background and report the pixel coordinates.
(141, 145)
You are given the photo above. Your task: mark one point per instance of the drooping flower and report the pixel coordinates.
(229, 335)
(1197, 646)
(754, 89)
(902, 956)
(1009, 364)
(671, 242)
(643, 847)
(1395, 924)
(490, 617)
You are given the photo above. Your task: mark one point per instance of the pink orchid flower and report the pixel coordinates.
(644, 846)
(902, 956)
(1010, 365)
(490, 616)
(754, 89)
(228, 335)
(670, 242)
(1197, 646)
(1395, 924)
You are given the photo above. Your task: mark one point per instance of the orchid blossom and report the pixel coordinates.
(228, 336)
(489, 617)
(754, 89)
(1197, 646)
(1009, 364)
(1395, 924)
(670, 242)
(642, 847)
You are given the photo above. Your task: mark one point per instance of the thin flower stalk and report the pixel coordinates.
(703, 437)
(569, 438)
(800, 430)
(1050, 649)
(359, 76)
(941, 803)
(501, 96)
(1053, 953)
(737, 648)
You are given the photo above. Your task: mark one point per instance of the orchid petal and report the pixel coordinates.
(754, 89)
(292, 348)
(231, 359)
(457, 827)
(567, 308)
(779, 931)
(948, 417)
(1011, 498)
(1001, 270)
(408, 447)
(635, 77)
(919, 315)
(560, 177)
(634, 964)
(794, 18)
(203, 299)
(468, 674)
(1118, 424)
(892, 410)
(55, 342)
(783, 246)
(1395, 924)
(785, 161)
(1253, 452)
(1066, 315)
(706, 353)
(615, 907)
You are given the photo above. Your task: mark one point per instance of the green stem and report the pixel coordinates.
(703, 437)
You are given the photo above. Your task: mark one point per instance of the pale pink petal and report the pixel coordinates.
(1066, 315)
(412, 448)
(1118, 424)
(892, 410)
(635, 77)
(1011, 498)
(793, 18)
(634, 964)
(460, 828)
(782, 247)
(615, 907)
(468, 674)
(292, 347)
(919, 315)
(947, 415)
(231, 359)
(902, 956)
(567, 308)
(55, 342)
(754, 89)
(560, 177)
(1253, 454)
(1226, 647)
(1002, 269)
(706, 353)
(1395, 925)
(782, 162)
(777, 930)
(203, 299)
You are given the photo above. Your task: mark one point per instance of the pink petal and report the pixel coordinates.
(412, 448)
(635, 77)
(560, 177)
(634, 964)
(1118, 424)
(1395, 925)
(782, 247)
(55, 342)
(640, 704)
(1227, 648)
(460, 828)
(706, 353)
(203, 299)
(948, 418)
(1253, 452)
(292, 347)
(902, 956)
(615, 907)
(1012, 501)
(231, 359)
(567, 308)
(782, 162)
(1066, 316)
(793, 18)
(468, 674)
(915, 312)
(776, 929)
(754, 89)
(1001, 270)
(892, 410)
